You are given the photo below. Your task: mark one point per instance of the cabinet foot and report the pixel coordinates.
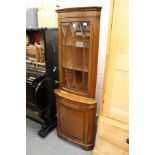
(86, 147)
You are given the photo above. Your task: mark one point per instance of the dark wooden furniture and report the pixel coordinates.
(78, 37)
(41, 77)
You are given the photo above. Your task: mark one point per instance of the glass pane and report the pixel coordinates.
(85, 60)
(81, 81)
(78, 65)
(85, 80)
(69, 78)
(69, 57)
(75, 53)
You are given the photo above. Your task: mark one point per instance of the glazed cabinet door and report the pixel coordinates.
(75, 55)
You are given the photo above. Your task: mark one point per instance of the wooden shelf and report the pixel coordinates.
(76, 68)
(73, 45)
(81, 34)
(76, 90)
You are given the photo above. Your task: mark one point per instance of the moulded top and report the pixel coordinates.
(93, 8)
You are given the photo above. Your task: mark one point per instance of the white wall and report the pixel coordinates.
(103, 31)
(39, 3)
(102, 49)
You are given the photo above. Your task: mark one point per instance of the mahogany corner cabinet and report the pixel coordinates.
(78, 38)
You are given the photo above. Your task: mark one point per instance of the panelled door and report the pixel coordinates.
(115, 95)
(112, 132)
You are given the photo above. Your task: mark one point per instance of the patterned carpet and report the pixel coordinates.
(51, 145)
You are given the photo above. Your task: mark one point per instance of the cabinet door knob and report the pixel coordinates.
(127, 140)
